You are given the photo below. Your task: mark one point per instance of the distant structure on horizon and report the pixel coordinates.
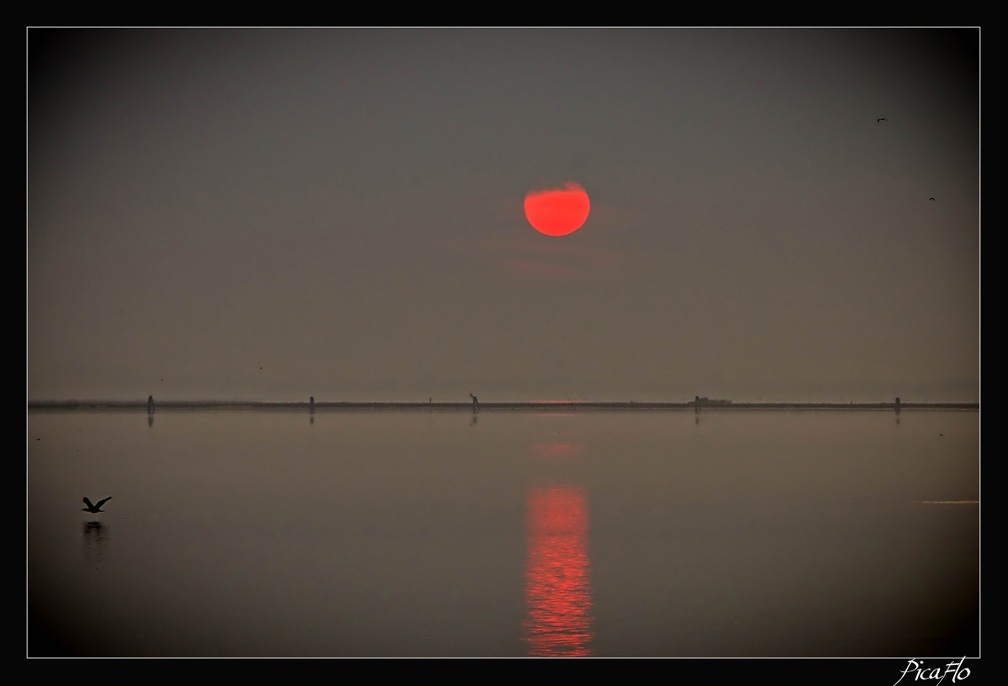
(699, 402)
(150, 404)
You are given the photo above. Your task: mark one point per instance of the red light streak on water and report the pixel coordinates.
(557, 590)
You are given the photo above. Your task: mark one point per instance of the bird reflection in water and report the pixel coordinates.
(557, 592)
(95, 537)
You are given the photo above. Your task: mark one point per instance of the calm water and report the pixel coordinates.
(415, 533)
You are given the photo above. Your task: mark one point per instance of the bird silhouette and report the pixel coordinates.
(880, 120)
(94, 507)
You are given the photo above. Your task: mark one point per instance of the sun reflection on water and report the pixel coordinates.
(557, 590)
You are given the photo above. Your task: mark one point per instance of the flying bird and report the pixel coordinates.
(880, 120)
(94, 507)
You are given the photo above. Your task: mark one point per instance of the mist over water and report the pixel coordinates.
(525, 533)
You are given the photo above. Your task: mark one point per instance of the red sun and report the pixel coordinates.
(557, 211)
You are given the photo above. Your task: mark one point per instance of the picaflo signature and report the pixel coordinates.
(922, 672)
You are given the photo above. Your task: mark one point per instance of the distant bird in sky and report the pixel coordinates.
(880, 120)
(931, 199)
(94, 508)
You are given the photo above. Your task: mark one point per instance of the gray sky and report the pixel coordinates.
(270, 214)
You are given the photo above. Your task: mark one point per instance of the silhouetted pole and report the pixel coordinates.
(897, 404)
(150, 404)
(311, 404)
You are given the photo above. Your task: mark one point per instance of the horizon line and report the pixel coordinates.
(703, 404)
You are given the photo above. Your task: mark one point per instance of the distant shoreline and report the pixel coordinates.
(141, 405)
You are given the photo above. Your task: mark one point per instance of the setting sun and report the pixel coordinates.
(557, 211)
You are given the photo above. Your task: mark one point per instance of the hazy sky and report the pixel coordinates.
(277, 213)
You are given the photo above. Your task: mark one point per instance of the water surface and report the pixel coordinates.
(504, 534)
